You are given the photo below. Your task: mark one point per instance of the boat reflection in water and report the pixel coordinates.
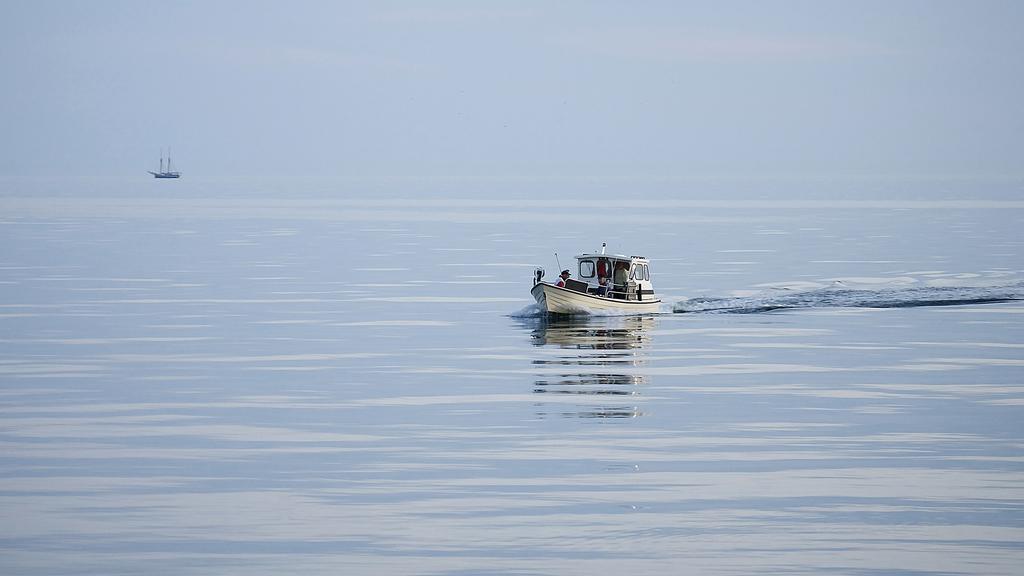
(595, 359)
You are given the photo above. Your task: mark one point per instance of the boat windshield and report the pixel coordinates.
(593, 269)
(587, 268)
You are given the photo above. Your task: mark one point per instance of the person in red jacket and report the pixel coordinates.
(562, 278)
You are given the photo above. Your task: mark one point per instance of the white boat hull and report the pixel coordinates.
(555, 300)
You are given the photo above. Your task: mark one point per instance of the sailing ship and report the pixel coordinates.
(169, 172)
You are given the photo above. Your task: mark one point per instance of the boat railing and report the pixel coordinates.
(628, 291)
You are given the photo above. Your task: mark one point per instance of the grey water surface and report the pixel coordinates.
(363, 387)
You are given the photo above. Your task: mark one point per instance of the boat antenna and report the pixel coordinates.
(559, 263)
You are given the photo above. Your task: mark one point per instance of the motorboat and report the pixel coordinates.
(604, 283)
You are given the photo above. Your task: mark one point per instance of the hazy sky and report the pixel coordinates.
(513, 90)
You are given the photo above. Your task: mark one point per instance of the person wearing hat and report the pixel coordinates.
(562, 278)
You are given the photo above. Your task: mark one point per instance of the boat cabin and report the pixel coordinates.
(614, 276)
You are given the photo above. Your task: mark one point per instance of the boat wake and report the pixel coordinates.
(843, 297)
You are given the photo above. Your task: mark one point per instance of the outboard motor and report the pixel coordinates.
(538, 273)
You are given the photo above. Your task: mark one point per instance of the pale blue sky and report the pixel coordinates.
(586, 91)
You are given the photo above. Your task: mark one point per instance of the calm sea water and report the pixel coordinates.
(362, 387)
